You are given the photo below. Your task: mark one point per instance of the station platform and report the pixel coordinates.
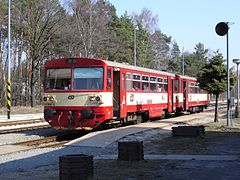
(101, 139)
(180, 157)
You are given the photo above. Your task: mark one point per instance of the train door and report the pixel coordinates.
(185, 89)
(123, 103)
(119, 93)
(170, 94)
(172, 82)
(116, 92)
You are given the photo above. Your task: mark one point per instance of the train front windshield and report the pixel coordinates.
(58, 79)
(84, 78)
(88, 78)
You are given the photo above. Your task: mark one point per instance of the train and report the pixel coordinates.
(88, 93)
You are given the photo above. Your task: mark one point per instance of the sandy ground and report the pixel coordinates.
(219, 140)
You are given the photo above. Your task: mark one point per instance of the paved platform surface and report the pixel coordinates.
(104, 138)
(178, 157)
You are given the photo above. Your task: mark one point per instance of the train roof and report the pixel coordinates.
(187, 77)
(52, 63)
(128, 66)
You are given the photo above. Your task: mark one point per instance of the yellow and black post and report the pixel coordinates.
(9, 60)
(8, 98)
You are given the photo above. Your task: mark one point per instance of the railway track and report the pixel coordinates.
(21, 122)
(38, 142)
(34, 124)
(52, 141)
(22, 125)
(46, 142)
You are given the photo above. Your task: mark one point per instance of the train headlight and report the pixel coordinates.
(91, 98)
(96, 99)
(51, 98)
(48, 99)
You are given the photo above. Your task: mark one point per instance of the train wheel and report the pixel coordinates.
(123, 121)
(167, 114)
(191, 110)
(145, 116)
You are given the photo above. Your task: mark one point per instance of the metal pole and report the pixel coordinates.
(228, 89)
(237, 61)
(237, 112)
(135, 51)
(9, 60)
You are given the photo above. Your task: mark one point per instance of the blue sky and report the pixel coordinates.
(192, 21)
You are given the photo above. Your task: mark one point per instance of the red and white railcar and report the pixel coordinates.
(83, 93)
(190, 97)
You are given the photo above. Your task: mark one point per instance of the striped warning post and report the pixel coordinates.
(8, 98)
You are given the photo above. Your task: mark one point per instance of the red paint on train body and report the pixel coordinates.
(84, 93)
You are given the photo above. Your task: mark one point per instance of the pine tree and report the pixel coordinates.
(212, 77)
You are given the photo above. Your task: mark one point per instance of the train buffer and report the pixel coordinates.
(189, 131)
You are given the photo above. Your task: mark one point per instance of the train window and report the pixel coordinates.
(145, 86)
(159, 85)
(145, 78)
(58, 79)
(153, 83)
(176, 86)
(145, 83)
(160, 80)
(136, 77)
(153, 79)
(123, 81)
(192, 89)
(136, 85)
(88, 78)
(109, 79)
(189, 87)
(198, 88)
(165, 85)
(129, 81)
(136, 82)
(129, 76)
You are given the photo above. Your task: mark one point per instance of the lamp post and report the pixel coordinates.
(237, 61)
(135, 48)
(222, 30)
